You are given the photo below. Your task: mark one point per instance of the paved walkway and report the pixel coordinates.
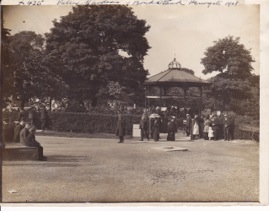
(101, 170)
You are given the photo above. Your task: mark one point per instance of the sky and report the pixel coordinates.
(183, 32)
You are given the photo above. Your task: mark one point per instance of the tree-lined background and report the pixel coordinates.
(93, 58)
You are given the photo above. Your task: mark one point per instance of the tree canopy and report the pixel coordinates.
(228, 56)
(25, 72)
(232, 88)
(86, 46)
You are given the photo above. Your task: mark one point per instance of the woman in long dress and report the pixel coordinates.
(156, 129)
(195, 130)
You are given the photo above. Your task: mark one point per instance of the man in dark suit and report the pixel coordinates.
(120, 130)
(144, 127)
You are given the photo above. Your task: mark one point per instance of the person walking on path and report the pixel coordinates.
(120, 130)
(172, 129)
(227, 128)
(156, 129)
(144, 127)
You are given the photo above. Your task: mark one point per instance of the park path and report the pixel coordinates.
(101, 170)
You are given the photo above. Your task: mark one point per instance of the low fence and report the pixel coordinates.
(248, 132)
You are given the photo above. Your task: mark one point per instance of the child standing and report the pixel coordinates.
(210, 132)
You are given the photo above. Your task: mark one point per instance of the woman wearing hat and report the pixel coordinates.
(156, 129)
(172, 129)
(195, 128)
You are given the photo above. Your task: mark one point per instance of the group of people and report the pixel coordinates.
(149, 127)
(209, 127)
(31, 116)
(23, 131)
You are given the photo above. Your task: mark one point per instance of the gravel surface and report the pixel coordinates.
(102, 170)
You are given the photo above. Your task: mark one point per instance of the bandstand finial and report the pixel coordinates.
(174, 64)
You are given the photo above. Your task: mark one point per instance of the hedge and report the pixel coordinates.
(13, 116)
(106, 123)
(90, 123)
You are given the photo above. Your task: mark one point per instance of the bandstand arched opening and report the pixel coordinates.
(175, 86)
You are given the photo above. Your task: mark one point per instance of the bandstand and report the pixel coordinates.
(174, 76)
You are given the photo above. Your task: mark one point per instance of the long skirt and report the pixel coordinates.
(195, 129)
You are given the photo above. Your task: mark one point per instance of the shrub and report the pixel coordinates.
(90, 123)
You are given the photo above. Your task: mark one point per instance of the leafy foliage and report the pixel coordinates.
(230, 57)
(84, 47)
(90, 123)
(26, 74)
(232, 89)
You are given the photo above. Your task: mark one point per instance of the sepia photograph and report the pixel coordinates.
(130, 103)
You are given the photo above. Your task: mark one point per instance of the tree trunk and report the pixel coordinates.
(50, 104)
(22, 104)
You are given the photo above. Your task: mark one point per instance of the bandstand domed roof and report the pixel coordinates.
(175, 75)
(174, 64)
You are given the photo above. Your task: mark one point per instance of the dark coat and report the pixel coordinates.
(144, 124)
(156, 130)
(31, 141)
(171, 127)
(43, 114)
(120, 130)
(188, 123)
(17, 130)
(23, 135)
(22, 116)
(31, 115)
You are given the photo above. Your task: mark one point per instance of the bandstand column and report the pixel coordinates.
(185, 96)
(201, 98)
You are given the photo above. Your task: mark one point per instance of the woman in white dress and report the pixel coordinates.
(195, 131)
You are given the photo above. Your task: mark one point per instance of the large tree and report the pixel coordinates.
(93, 45)
(228, 56)
(232, 86)
(26, 74)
